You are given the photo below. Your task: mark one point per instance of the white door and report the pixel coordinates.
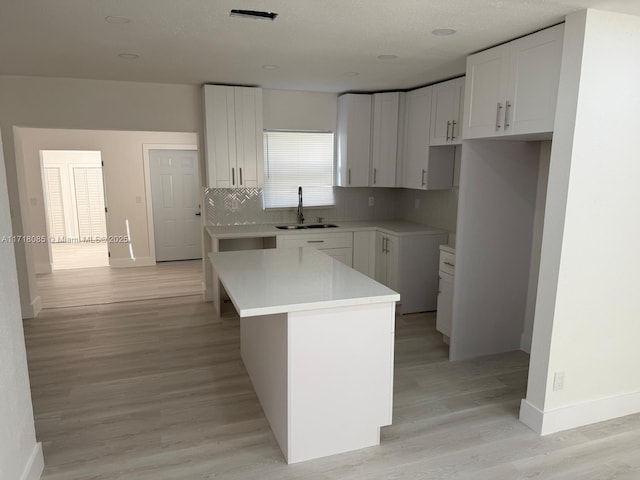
(417, 126)
(89, 195)
(486, 93)
(176, 204)
(443, 108)
(385, 139)
(55, 203)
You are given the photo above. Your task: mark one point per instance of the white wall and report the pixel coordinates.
(64, 103)
(536, 245)
(124, 183)
(498, 182)
(293, 110)
(20, 455)
(588, 326)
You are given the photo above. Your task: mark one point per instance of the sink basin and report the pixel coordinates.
(321, 225)
(301, 227)
(291, 227)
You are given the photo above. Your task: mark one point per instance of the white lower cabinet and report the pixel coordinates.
(445, 292)
(386, 271)
(364, 252)
(338, 245)
(408, 264)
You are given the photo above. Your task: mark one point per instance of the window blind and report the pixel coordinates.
(293, 159)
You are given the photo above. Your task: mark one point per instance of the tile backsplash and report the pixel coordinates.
(243, 206)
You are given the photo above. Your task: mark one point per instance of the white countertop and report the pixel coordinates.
(265, 282)
(392, 227)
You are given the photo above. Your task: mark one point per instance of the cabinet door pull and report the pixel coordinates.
(506, 115)
(498, 110)
(374, 175)
(240, 175)
(449, 263)
(423, 172)
(448, 125)
(349, 176)
(233, 176)
(315, 241)
(453, 129)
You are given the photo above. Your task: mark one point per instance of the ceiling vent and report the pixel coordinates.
(256, 15)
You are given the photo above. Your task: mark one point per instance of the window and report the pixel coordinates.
(293, 159)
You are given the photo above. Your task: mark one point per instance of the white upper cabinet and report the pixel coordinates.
(446, 112)
(354, 140)
(512, 89)
(233, 136)
(423, 168)
(386, 108)
(416, 138)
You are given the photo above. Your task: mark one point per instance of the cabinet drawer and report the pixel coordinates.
(447, 262)
(319, 241)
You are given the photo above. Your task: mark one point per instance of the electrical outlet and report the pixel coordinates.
(416, 204)
(371, 201)
(235, 205)
(558, 381)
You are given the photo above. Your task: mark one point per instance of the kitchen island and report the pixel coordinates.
(317, 339)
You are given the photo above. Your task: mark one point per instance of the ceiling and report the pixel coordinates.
(313, 42)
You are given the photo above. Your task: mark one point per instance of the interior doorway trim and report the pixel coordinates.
(147, 185)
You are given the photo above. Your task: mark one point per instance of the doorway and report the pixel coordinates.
(176, 204)
(75, 208)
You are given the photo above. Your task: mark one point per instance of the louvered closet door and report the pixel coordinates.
(89, 202)
(55, 211)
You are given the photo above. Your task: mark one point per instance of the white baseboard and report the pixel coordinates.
(35, 465)
(43, 268)
(525, 342)
(578, 415)
(127, 262)
(33, 309)
(531, 416)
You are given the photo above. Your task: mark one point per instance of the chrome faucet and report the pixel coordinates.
(300, 213)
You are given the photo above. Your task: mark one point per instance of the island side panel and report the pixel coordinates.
(263, 347)
(209, 245)
(340, 378)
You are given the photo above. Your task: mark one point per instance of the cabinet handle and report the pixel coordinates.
(349, 176)
(453, 129)
(506, 115)
(315, 241)
(240, 175)
(423, 172)
(233, 176)
(449, 263)
(374, 175)
(448, 125)
(498, 110)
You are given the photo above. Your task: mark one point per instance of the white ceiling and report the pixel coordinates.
(314, 42)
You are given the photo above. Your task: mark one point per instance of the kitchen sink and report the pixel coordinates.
(302, 227)
(321, 225)
(291, 227)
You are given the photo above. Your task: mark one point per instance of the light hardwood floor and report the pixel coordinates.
(100, 285)
(156, 389)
